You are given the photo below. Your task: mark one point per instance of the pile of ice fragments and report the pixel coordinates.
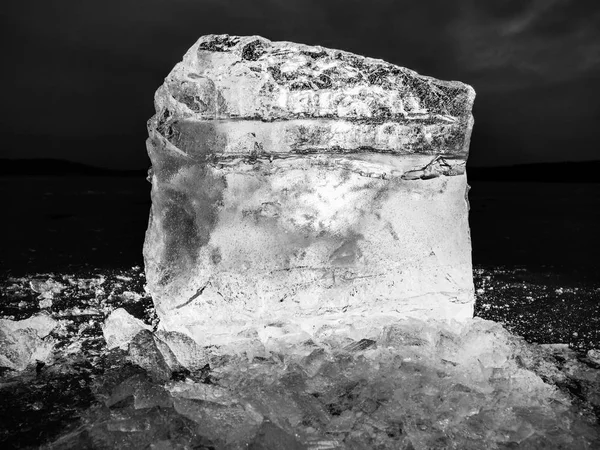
(407, 384)
(412, 384)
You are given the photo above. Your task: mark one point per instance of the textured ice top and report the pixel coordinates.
(224, 77)
(244, 95)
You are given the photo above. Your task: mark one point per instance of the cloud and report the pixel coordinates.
(530, 43)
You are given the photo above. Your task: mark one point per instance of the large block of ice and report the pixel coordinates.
(298, 184)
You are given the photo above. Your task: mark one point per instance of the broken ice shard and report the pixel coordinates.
(299, 184)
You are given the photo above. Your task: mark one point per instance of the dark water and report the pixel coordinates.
(548, 226)
(69, 223)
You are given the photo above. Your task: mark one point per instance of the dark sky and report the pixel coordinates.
(78, 77)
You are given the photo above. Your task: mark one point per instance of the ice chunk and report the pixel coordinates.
(42, 324)
(46, 288)
(142, 391)
(292, 181)
(217, 422)
(144, 352)
(151, 395)
(22, 343)
(22, 347)
(594, 355)
(201, 391)
(120, 327)
(154, 428)
(184, 349)
(271, 437)
(357, 346)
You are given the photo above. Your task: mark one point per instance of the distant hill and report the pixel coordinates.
(59, 167)
(564, 172)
